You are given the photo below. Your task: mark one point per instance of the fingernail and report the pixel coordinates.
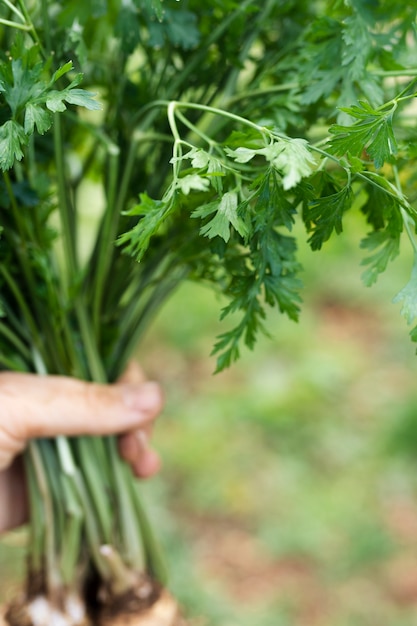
(147, 397)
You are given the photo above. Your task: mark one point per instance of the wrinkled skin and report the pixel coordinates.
(33, 406)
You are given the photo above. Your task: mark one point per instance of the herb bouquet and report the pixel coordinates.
(208, 129)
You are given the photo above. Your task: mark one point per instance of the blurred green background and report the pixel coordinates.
(289, 489)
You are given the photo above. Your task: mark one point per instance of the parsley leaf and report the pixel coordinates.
(372, 132)
(226, 215)
(12, 140)
(325, 215)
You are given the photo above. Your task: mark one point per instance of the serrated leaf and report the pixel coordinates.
(152, 215)
(61, 71)
(12, 140)
(192, 182)
(242, 154)
(384, 242)
(36, 116)
(291, 158)
(385, 245)
(55, 101)
(372, 132)
(225, 217)
(326, 214)
(82, 98)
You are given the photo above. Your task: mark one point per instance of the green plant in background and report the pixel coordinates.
(209, 130)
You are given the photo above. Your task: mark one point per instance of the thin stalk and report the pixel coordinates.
(46, 24)
(14, 9)
(31, 26)
(209, 109)
(395, 73)
(24, 27)
(127, 344)
(37, 519)
(130, 538)
(15, 341)
(155, 561)
(95, 366)
(51, 464)
(101, 248)
(95, 475)
(15, 289)
(73, 532)
(10, 364)
(107, 236)
(93, 535)
(409, 225)
(52, 575)
(22, 251)
(68, 226)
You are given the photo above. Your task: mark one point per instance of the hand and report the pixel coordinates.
(34, 406)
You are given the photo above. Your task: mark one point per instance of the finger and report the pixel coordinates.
(55, 405)
(13, 496)
(133, 374)
(135, 449)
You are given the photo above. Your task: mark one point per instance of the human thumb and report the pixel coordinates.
(34, 406)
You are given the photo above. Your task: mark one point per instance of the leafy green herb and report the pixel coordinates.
(215, 129)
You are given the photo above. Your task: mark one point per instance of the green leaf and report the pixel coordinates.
(153, 7)
(326, 214)
(55, 101)
(61, 71)
(408, 296)
(226, 216)
(385, 246)
(35, 115)
(128, 28)
(152, 214)
(178, 27)
(20, 83)
(12, 140)
(82, 98)
(290, 157)
(372, 132)
(192, 182)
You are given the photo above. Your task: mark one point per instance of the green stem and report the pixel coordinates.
(107, 236)
(15, 24)
(66, 212)
(89, 453)
(31, 26)
(130, 538)
(72, 472)
(409, 224)
(15, 341)
(52, 575)
(15, 289)
(95, 366)
(264, 91)
(14, 9)
(37, 519)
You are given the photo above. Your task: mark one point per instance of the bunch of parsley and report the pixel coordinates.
(209, 130)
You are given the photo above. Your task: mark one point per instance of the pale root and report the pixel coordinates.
(164, 612)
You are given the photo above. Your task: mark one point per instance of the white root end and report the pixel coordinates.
(43, 613)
